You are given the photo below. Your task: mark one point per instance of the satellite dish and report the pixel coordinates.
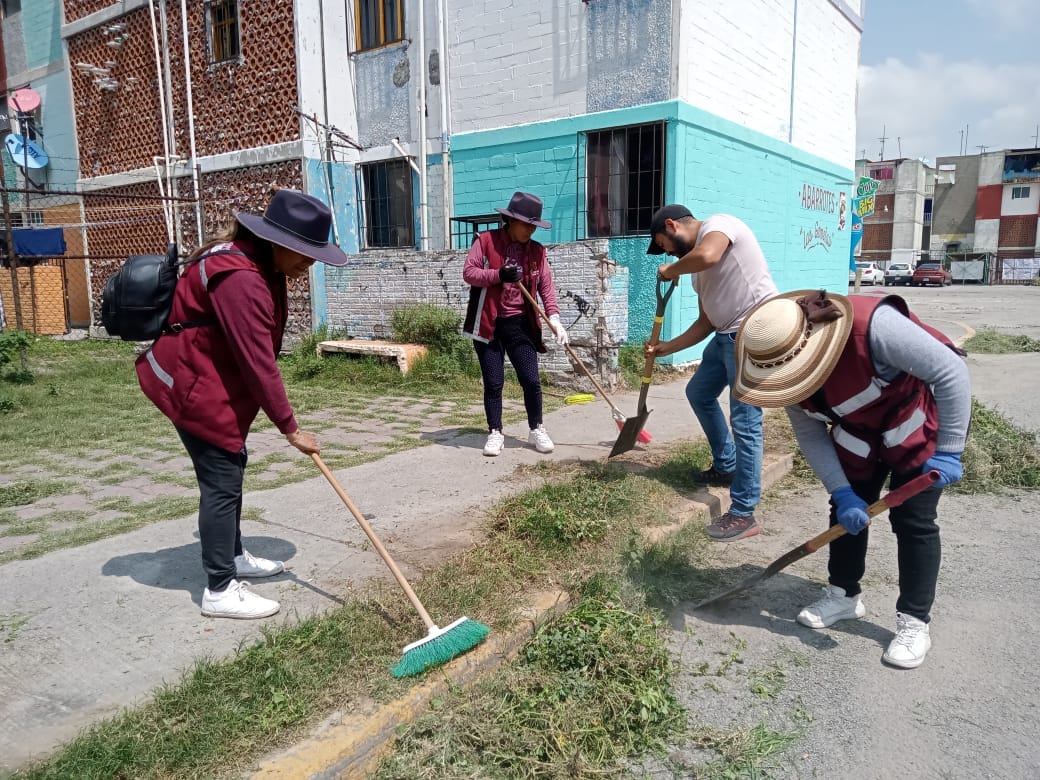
(25, 100)
(25, 152)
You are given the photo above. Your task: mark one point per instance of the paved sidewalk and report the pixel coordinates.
(92, 629)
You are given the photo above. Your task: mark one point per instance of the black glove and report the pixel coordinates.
(509, 273)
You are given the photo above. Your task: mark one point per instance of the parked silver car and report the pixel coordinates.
(899, 273)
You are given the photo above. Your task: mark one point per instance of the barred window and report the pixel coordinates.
(378, 22)
(222, 21)
(623, 180)
(386, 191)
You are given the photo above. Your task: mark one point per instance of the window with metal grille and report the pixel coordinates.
(464, 230)
(378, 22)
(621, 180)
(222, 23)
(386, 191)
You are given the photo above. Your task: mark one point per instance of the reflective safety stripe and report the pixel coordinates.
(849, 442)
(202, 273)
(867, 395)
(896, 436)
(817, 415)
(164, 377)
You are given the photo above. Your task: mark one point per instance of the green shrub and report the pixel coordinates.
(424, 323)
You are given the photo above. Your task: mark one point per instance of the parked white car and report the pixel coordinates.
(871, 274)
(899, 273)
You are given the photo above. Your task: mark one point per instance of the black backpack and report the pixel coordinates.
(137, 298)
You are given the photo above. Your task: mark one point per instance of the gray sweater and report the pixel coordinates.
(897, 345)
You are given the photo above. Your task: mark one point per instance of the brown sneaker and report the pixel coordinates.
(733, 528)
(712, 476)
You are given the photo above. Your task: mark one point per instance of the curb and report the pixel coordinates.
(351, 745)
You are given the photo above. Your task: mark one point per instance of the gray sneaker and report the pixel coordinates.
(733, 528)
(834, 606)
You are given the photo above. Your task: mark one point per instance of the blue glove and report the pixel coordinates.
(850, 510)
(948, 464)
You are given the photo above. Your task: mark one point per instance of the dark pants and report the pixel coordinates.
(917, 542)
(220, 474)
(512, 337)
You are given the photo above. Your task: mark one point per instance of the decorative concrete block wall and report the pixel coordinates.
(362, 296)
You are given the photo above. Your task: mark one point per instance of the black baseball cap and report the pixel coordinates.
(671, 211)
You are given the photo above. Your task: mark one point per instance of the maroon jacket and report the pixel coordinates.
(212, 380)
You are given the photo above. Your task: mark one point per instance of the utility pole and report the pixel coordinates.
(899, 145)
(982, 149)
(960, 147)
(882, 139)
(1036, 138)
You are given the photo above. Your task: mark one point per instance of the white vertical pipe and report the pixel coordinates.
(174, 190)
(191, 122)
(446, 185)
(167, 207)
(424, 239)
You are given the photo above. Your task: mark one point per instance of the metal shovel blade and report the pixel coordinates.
(630, 431)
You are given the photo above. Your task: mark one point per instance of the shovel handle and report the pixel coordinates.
(892, 499)
(574, 357)
(655, 335)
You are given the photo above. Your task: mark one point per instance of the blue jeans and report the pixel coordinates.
(741, 452)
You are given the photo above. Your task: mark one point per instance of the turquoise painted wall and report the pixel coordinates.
(712, 166)
(343, 202)
(41, 27)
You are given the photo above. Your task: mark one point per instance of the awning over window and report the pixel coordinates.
(39, 242)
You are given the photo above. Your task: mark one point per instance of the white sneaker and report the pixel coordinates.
(494, 444)
(834, 606)
(540, 440)
(911, 643)
(237, 601)
(247, 565)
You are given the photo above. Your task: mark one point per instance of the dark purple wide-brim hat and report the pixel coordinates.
(299, 222)
(527, 208)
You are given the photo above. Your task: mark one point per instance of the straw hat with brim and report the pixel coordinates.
(527, 208)
(788, 346)
(298, 222)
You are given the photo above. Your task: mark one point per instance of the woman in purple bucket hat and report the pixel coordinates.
(502, 322)
(215, 368)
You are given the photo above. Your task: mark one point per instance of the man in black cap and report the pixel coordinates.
(731, 277)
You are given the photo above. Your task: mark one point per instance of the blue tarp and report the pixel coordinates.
(39, 242)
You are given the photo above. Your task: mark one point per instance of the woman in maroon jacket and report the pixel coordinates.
(500, 320)
(214, 368)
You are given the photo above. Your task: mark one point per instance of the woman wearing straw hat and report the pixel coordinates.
(501, 322)
(872, 392)
(213, 375)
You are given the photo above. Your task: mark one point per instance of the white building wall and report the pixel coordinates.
(987, 235)
(734, 60)
(516, 61)
(991, 168)
(1020, 206)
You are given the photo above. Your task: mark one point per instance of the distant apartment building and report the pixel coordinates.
(900, 228)
(42, 189)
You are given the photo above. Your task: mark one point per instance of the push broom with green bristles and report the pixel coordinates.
(439, 645)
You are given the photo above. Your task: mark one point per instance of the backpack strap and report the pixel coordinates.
(177, 327)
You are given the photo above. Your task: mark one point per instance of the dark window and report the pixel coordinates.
(624, 185)
(465, 230)
(882, 174)
(378, 22)
(10, 7)
(222, 21)
(1019, 192)
(387, 194)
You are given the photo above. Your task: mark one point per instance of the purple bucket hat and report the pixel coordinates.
(527, 208)
(299, 222)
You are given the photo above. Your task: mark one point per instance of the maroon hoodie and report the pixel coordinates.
(212, 380)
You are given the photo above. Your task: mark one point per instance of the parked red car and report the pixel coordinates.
(930, 273)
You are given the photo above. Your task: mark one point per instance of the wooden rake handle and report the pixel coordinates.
(375, 542)
(574, 357)
(892, 499)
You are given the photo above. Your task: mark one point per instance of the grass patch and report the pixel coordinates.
(998, 454)
(992, 342)
(28, 491)
(742, 752)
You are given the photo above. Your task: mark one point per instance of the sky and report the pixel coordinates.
(934, 71)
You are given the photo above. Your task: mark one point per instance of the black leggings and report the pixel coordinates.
(513, 338)
(917, 542)
(219, 474)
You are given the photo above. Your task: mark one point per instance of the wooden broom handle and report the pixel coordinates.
(567, 347)
(375, 542)
(892, 499)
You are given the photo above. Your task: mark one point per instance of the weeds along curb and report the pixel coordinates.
(352, 745)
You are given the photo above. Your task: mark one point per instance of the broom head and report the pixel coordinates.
(440, 646)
